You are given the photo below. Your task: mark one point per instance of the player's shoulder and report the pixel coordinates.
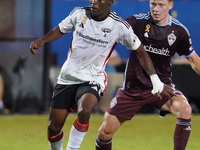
(118, 20)
(138, 18)
(78, 10)
(145, 16)
(179, 25)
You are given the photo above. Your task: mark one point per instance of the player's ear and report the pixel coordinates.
(171, 4)
(111, 2)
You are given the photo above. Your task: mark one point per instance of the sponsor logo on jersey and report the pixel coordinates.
(105, 32)
(160, 51)
(113, 102)
(190, 41)
(171, 38)
(94, 87)
(135, 38)
(94, 83)
(81, 25)
(191, 48)
(83, 22)
(146, 34)
(147, 30)
(91, 39)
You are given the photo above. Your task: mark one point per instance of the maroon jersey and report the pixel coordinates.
(161, 42)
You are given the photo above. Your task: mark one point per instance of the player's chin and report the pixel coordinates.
(95, 11)
(95, 14)
(156, 19)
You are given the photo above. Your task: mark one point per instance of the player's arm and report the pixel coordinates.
(54, 34)
(145, 60)
(195, 63)
(146, 63)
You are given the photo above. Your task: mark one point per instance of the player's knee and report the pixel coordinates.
(53, 129)
(103, 135)
(187, 109)
(84, 116)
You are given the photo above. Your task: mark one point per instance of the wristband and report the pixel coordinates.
(157, 84)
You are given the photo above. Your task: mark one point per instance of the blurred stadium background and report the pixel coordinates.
(33, 77)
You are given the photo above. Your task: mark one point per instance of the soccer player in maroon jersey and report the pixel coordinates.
(162, 36)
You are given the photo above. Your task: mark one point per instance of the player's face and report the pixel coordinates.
(160, 10)
(100, 8)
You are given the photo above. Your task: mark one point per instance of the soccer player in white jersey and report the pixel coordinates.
(82, 80)
(162, 36)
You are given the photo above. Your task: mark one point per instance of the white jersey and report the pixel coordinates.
(92, 44)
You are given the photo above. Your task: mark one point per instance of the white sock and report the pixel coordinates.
(56, 145)
(75, 139)
(56, 142)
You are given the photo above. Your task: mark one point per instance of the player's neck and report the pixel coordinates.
(164, 21)
(101, 17)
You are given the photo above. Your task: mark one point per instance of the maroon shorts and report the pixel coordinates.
(126, 105)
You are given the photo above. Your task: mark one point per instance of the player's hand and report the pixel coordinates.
(35, 45)
(167, 91)
(157, 84)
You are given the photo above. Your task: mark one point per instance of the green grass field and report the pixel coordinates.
(143, 132)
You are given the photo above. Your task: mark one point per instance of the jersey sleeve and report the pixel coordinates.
(132, 21)
(186, 49)
(68, 24)
(129, 39)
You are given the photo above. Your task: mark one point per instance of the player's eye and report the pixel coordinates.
(161, 5)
